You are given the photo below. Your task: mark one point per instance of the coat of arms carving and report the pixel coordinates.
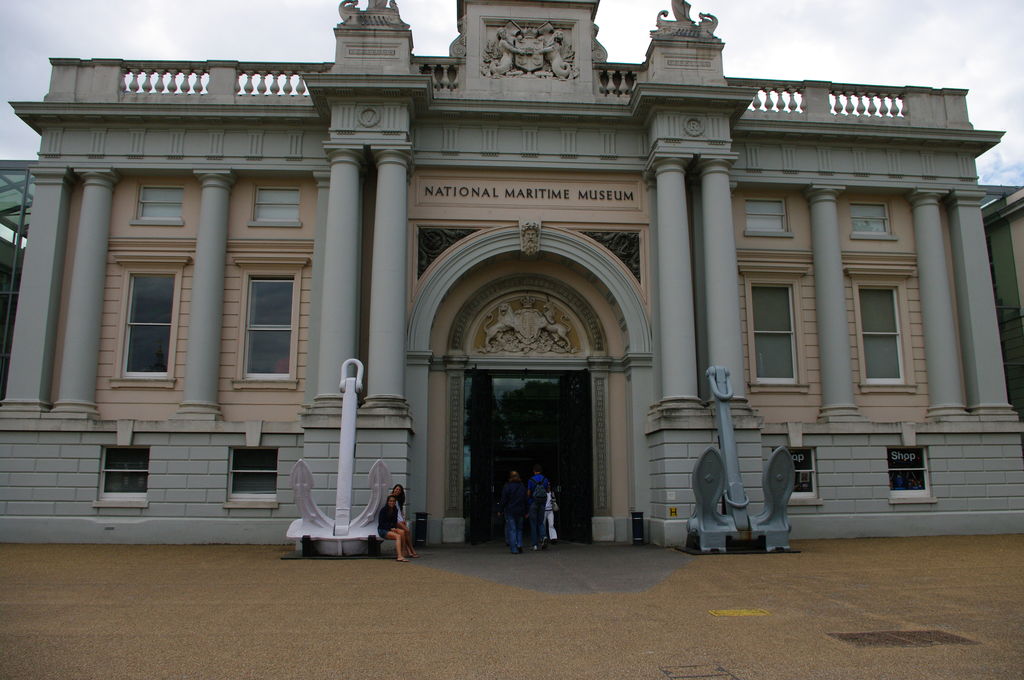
(527, 325)
(542, 51)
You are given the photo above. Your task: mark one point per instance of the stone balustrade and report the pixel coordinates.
(446, 72)
(115, 80)
(616, 80)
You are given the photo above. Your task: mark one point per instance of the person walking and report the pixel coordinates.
(538, 489)
(550, 507)
(513, 506)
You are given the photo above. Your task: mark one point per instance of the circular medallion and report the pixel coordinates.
(694, 127)
(369, 117)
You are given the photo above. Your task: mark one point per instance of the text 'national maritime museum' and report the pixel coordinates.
(536, 254)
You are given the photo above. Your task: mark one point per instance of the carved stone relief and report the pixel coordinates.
(530, 50)
(432, 242)
(527, 324)
(529, 238)
(466, 327)
(625, 245)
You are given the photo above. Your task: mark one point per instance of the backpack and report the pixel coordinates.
(540, 491)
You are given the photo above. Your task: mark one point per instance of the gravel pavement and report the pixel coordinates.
(858, 609)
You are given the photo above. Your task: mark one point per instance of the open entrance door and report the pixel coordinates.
(516, 420)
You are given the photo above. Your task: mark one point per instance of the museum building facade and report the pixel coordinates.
(535, 252)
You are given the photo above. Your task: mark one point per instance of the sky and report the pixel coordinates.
(932, 43)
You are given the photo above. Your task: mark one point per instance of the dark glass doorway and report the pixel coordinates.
(514, 420)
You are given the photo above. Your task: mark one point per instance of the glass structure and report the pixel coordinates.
(16, 188)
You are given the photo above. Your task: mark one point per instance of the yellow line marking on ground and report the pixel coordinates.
(738, 612)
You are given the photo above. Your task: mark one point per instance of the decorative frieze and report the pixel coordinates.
(528, 49)
(625, 245)
(527, 324)
(432, 242)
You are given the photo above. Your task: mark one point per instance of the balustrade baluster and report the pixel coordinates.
(872, 108)
(249, 86)
(274, 84)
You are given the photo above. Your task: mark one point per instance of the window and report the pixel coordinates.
(908, 472)
(150, 311)
(773, 334)
(253, 473)
(160, 202)
(869, 218)
(766, 216)
(880, 335)
(277, 206)
(125, 473)
(804, 484)
(269, 328)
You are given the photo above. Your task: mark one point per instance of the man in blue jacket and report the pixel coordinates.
(538, 489)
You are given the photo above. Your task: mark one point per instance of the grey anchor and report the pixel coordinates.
(716, 477)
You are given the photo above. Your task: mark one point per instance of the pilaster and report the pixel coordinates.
(202, 362)
(837, 402)
(945, 390)
(35, 330)
(77, 393)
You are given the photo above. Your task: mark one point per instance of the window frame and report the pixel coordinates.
(121, 497)
(280, 266)
(783, 229)
(812, 474)
(757, 273)
(895, 276)
(141, 219)
(902, 324)
(252, 497)
(755, 333)
(924, 493)
(258, 221)
(134, 264)
(886, 220)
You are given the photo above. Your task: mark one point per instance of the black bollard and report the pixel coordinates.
(421, 529)
(308, 550)
(638, 528)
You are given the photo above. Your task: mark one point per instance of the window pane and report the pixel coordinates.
(774, 355)
(147, 349)
(764, 223)
(881, 356)
(254, 482)
(907, 480)
(152, 299)
(277, 212)
(127, 459)
(771, 308)
(161, 202)
(162, 194)
(877, 311)
(867, 210)
(764, 208)
(269, 352)
(286, 196)
(125, 471)
(257, 459)
(271, 303)
(869, 218)
(125, 482)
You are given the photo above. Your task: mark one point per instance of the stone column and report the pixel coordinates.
(339, 304)
(945, 389)
(979, 328)
(830, 304)
(77, 392)
(678, 345)
(389, 284)
(202, 362)
(35, 330)
(323, 193)
(722, 291)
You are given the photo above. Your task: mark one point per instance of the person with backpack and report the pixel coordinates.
(538, 489)
(513, 506)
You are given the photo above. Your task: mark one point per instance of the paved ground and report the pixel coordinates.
(148, 612)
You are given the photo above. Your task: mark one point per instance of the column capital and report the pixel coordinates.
(216, 178)
(104, 177)
(51, 176)
(386, 155)
(918, 197)
(661, 163)
(968, 198)
(823, 192)
(344, 154)
(707, 166)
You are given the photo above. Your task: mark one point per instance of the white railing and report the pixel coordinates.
(847, 101)
(244, 79)
(616, 80)
(445, 73)
(154, 78)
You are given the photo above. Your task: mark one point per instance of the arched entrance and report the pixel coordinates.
(547, 349)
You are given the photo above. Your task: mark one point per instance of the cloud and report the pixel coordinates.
(933, 43)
